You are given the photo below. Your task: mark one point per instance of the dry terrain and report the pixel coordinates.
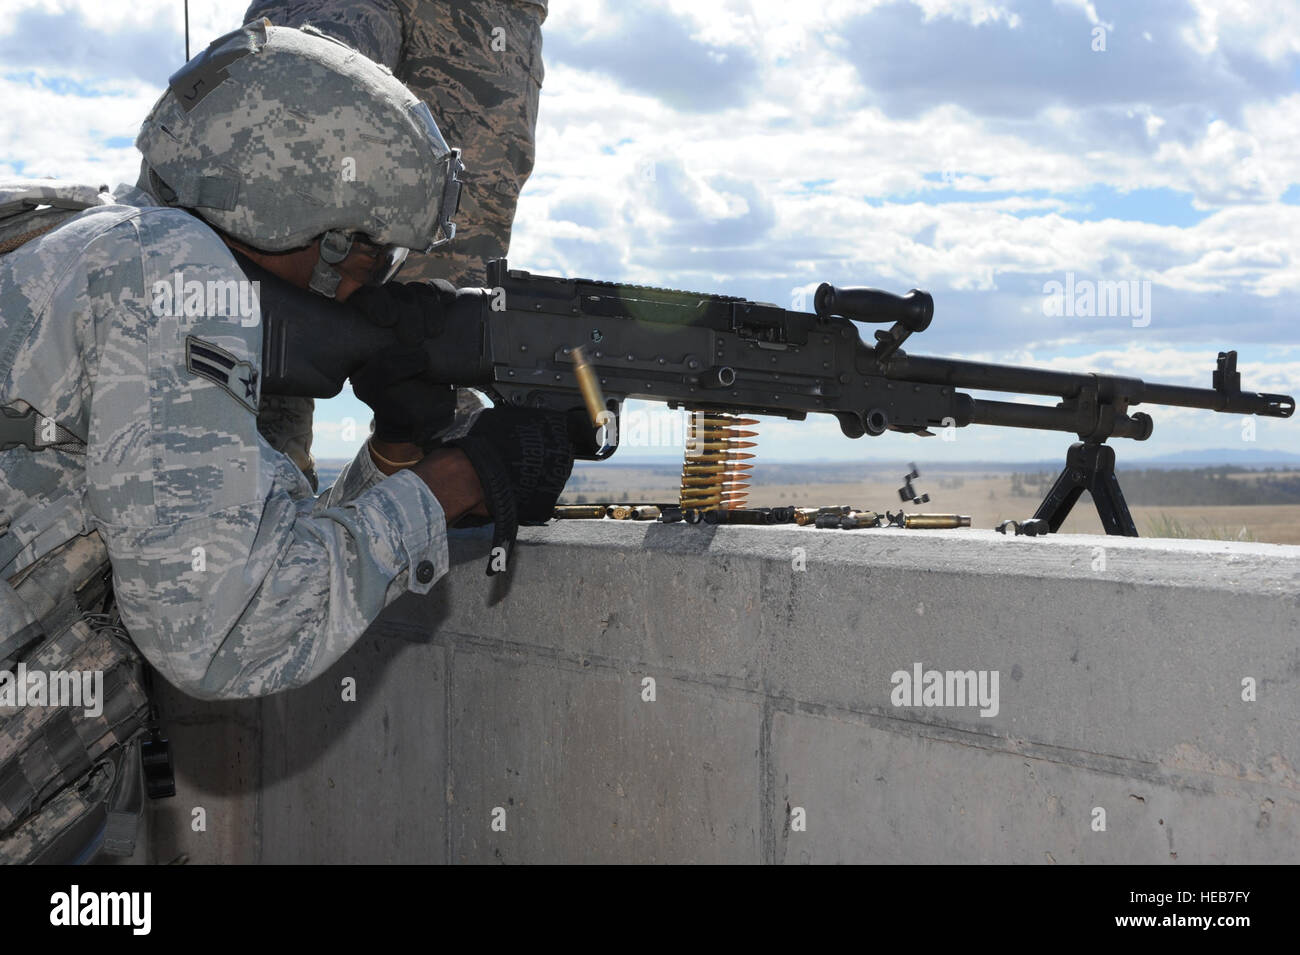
(986, 496)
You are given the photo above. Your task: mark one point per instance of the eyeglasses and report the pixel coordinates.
(389, 259)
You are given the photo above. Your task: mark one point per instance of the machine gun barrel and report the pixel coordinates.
(1226, 396)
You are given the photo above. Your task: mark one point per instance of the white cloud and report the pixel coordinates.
(799, 170)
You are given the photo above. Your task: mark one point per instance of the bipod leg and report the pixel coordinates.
(1088, 466)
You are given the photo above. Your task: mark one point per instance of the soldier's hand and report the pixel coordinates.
(414, 310)
(523, 458)
(410, 407)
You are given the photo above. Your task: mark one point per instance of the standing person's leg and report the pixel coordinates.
(479, 67)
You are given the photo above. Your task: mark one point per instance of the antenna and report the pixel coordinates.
(187, 31)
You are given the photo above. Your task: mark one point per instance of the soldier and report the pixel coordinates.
(129, 401)
(478, 66)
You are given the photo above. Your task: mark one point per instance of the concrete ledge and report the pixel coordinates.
(1121, 665)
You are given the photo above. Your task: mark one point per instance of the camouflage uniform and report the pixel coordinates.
(135, 491)
(230, 577)
(479, 67)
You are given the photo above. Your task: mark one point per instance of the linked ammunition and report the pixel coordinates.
(712, 473)
(728, 445)
(568, 512)
(723, 419)
(936, 520)
(692, 515)
(739, 515)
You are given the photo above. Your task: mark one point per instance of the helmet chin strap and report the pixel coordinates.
(334, 248)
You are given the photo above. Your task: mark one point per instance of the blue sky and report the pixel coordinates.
(976, 149)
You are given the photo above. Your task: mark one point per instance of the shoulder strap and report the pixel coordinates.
(29, 208)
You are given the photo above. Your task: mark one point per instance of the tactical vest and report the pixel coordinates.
(72, 781)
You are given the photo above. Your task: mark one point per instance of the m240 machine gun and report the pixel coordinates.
(563, 343)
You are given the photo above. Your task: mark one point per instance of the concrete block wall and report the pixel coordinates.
(772, 736)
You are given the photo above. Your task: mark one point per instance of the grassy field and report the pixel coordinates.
(985, 495)
(985, 492)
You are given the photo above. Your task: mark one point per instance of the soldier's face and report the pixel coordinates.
(295, 267)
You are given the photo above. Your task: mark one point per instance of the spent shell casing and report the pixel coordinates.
(589, 386)
(858, 519)
(568, 512)
(936, 520)
(646, 512)
(620, 512)
(805, 515)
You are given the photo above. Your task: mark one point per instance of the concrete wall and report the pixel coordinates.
(1121, 666)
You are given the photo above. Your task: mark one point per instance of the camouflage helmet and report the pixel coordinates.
(277, 136)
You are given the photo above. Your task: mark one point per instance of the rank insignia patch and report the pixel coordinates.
(238, 378)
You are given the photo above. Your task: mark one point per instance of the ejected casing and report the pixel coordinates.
(645, 512)
(589, 385)
(859, 519)
(579, 511)
(805, 515)
(936, 520)
(620, 512)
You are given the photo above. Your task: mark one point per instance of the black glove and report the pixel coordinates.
(409, 404)
(523, 458)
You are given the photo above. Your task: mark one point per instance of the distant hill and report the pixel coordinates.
(1219, 457)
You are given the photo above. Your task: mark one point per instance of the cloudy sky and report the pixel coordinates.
(980, 150)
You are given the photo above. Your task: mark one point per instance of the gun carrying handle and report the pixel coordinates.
(913, 311)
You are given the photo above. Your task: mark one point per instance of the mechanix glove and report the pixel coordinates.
(523, 458)
(409, 405)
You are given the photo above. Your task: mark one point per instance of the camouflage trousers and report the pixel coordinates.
(479, 68)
